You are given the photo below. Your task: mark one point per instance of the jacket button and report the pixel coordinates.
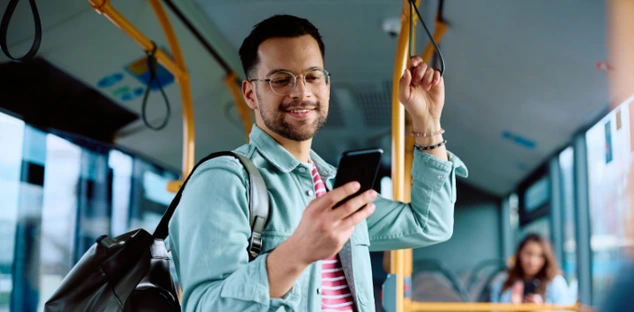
(309, 193)
(302, 169)
(318, 291)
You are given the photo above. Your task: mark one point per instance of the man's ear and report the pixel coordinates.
(248, 92)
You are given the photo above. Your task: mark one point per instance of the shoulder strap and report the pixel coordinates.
(258, 203)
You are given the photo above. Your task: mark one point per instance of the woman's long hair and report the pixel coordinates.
(545, 275)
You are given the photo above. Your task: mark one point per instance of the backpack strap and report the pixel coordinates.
(258, 203)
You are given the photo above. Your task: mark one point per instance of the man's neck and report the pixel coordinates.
(299, 149)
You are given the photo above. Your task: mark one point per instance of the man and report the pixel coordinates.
(314, 257)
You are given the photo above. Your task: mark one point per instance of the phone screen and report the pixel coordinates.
(359, 165)
(530, 287)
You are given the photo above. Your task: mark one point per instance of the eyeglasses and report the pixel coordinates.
(284, 82)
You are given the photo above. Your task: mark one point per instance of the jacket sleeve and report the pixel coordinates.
(557, 292)
(428, 219)
(209, 235)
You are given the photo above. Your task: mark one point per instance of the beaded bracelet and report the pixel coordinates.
(429, 147)
(421, 134)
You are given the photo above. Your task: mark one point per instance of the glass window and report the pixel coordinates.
(57, 197)
(514, 214)
(150, 197)
(569, 248)
(59, 213)
(11, 140)
(537, 195)
(534, 197)
(540, 226)
(609, 159)
(121, 166)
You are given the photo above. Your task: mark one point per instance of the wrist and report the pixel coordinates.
(430, 145)
(292, 255)
(424, 126)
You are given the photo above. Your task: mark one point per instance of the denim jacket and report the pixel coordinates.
(209, 232)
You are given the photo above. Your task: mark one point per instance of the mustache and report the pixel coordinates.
(296, 105)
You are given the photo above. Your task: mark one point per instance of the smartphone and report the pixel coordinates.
(358, 165)
(530, 287)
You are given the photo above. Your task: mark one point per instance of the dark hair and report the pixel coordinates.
(286, 26)
(545, 275)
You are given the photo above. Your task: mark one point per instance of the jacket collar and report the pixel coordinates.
(279, 157)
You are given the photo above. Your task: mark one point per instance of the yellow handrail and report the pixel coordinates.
(439, 32)
(398, 140)
(407, 180)
(176, 68)
(485, 307)
(186, 94)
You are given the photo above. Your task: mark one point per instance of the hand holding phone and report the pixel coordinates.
(360, 166)
(323, 230)
(530, 287)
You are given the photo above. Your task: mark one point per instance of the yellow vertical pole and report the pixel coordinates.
(407, 190)
(176, 67)
(439, 32)
(186, 94)
(398, 140)
(408, 255)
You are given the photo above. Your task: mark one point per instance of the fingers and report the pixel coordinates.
(436, 77)
(415, 61)
(404, 83)
(353, 204)
(337, 195)
(419, 74)
(352, 220)
(428, 78)
(422, 74)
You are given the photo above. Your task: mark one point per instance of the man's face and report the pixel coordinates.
(300, 114)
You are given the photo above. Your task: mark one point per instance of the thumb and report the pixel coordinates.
(404, 83)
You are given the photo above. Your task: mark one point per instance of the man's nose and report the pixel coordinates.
(301, 90)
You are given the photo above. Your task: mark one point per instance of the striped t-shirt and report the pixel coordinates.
(335, 294)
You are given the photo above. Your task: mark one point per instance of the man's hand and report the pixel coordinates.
(422, 92)
(323, 231)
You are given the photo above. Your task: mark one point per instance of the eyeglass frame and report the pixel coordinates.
(327, 74)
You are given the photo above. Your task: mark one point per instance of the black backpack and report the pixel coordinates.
(131, 272)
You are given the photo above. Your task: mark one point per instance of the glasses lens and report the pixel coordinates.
(282, 83)
(316, 79)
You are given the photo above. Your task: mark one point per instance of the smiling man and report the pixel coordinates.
(314, 258)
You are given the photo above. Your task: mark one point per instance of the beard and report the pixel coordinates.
(275, 120)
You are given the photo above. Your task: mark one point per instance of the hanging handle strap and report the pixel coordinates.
(4, 29)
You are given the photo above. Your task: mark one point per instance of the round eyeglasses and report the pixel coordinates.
(284, 82)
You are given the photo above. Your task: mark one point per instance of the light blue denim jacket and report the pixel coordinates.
(209, 232)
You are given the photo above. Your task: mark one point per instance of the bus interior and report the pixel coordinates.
(93, 141)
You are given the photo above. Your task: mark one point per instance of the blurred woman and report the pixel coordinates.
(534, 277)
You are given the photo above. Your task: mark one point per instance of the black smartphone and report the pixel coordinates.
(530, 287)
(358, 165)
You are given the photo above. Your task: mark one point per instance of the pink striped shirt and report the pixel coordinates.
(335, 294)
